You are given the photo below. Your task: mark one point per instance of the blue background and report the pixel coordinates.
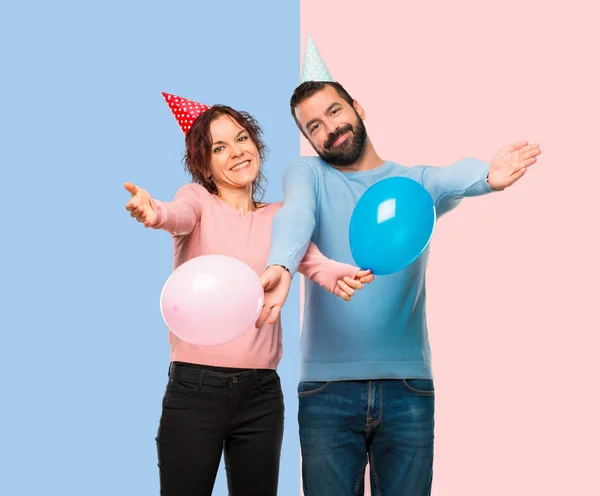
(84, 351)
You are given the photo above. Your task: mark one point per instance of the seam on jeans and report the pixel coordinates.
(227, 464)
(314, 391)
(374, 472)
(361, 477)
(378, 419)
(418, 391)
(172, 381)
(380, 403)
(368, 404)
(262, 388)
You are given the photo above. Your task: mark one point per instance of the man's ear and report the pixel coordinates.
(359, 110)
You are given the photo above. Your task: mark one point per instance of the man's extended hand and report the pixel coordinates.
(276, 283)
(510, 164)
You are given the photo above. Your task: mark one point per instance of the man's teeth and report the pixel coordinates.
(240, 166)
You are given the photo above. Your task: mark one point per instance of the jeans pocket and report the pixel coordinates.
(178, 389)
(271, 383)
(420, 386)
(306, 388)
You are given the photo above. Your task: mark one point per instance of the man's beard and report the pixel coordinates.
(348, 152)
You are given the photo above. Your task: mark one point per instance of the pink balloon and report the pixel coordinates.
(211, 300)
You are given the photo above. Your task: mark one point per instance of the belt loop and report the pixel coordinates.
(170, 365)
(201, 378)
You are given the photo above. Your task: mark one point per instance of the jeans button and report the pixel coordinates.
(234, 380)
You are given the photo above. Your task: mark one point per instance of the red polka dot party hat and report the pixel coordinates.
(185, 111)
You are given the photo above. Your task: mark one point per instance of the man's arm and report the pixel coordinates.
(471, 177)
(292, 230)
(449, 185)
(294, 223)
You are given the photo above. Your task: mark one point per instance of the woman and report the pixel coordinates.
(227, 397)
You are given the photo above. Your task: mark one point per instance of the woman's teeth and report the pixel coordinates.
(241, 166)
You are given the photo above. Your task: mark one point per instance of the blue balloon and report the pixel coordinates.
(391, 225)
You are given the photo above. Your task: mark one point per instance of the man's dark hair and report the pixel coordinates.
(309, 88)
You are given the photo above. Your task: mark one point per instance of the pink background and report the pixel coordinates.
(513, 277)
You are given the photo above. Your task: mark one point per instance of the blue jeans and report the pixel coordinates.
(345, 424)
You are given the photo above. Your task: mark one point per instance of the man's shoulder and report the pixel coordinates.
(309, 162)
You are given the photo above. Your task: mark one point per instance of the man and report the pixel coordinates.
(366, 390)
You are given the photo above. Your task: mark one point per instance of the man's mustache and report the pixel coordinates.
(333, 137)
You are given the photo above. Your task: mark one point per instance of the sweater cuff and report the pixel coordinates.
(338, 271)
(160, 212)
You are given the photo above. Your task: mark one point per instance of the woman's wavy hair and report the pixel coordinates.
(198, 143)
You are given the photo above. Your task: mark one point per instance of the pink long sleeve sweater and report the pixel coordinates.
(202, 224)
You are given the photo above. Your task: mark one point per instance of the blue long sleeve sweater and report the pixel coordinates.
(382, 332)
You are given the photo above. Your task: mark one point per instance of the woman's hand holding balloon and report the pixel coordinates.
(347, 287)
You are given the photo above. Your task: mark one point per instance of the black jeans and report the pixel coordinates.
(208, 410)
